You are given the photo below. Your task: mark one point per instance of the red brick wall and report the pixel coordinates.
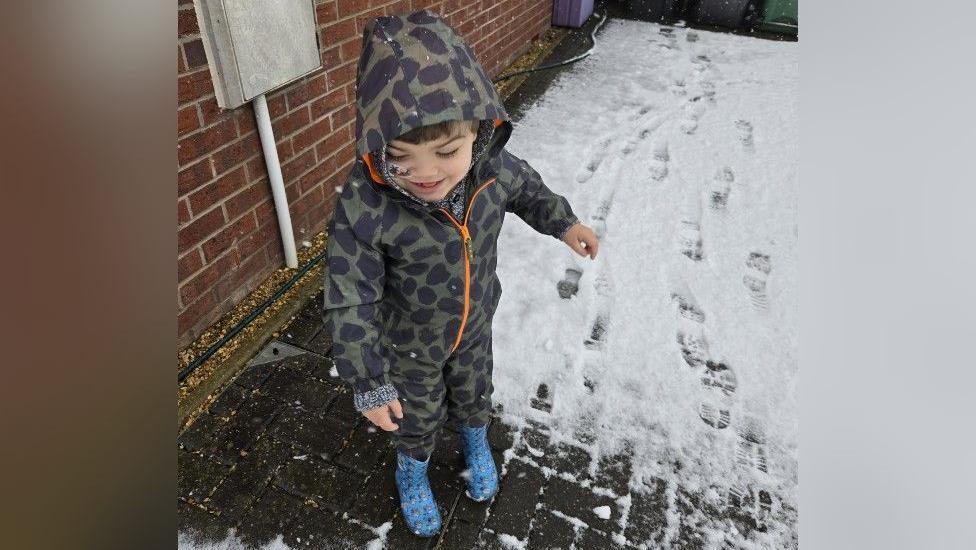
(228, 240)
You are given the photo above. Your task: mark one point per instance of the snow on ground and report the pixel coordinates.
(680, 148)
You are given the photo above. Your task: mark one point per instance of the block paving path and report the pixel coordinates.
(282, 453)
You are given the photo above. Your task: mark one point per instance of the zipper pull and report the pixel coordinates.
(467, 243)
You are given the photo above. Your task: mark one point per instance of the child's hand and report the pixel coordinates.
(582, 240)
(380, 416)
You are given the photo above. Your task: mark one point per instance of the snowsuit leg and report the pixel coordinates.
(467, 376)
(459, 389)
(421, 389)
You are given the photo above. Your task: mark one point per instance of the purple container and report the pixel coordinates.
(571, 13)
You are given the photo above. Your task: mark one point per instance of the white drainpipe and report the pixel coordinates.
(274, 175)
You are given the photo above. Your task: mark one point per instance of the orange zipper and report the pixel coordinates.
(468, 258)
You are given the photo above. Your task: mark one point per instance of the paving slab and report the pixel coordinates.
(318, 529)
(580, 502)
(551, 532)
(314, 479)
(197, 475)
(514, 505)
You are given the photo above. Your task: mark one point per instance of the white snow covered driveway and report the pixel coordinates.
(679, 347)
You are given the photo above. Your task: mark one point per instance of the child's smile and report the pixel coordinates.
(429, 190)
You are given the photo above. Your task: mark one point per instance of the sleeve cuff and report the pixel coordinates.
(563, 226)
(363, 401)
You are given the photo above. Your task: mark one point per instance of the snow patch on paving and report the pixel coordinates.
(682, 153)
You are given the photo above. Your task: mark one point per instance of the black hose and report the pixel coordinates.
(561, 63)
(186, 371)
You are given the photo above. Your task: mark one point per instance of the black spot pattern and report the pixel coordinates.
(436, 101)
(437, 275)
(433, 74)
(339, 265)
(431, 41)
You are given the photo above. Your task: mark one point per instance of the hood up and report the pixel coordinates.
(414, 71)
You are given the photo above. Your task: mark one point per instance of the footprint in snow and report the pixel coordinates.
(693, 346)
(688, 307)
(694, 109)
(603, 286)
(757, 291)
(632, 142)
(569, 285)
(659, 162)
(598, 219)
(543, 399)
(587, 426)
(678, 87)
(708, 90)
(759, 262)
(751, 508)
(598, 334)
(700, 63)
(721, 186)
(719, 383)
(751, 451)
(691, 331)
(594, 365)
(644, 109)
(593, 165)
(715, 415)
(668, 34)
(693, 112)
(719, 376)
(629, 147)
(593, 357)
(690, 240)
(744, 129)
(759, 266)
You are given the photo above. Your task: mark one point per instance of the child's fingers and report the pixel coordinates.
(386, 423)
(577, 246)
(396, 408)
(380, 416)
(592, 245)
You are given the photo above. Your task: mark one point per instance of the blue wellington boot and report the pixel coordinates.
(416, 499)
(483, 478)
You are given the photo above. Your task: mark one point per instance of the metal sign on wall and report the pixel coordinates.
(255, 46)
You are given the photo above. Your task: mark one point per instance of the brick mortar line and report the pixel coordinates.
(244, 163)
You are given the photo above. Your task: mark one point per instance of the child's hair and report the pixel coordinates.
(437, 131)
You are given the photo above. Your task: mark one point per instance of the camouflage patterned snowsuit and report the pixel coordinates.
(410, 291)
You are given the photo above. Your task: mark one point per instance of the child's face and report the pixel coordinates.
(432, 168)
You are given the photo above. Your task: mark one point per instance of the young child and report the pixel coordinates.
(410, 286)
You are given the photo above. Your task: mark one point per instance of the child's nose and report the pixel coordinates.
(425, 170)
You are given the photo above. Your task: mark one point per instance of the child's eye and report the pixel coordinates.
(446, 155)
(391, 156)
